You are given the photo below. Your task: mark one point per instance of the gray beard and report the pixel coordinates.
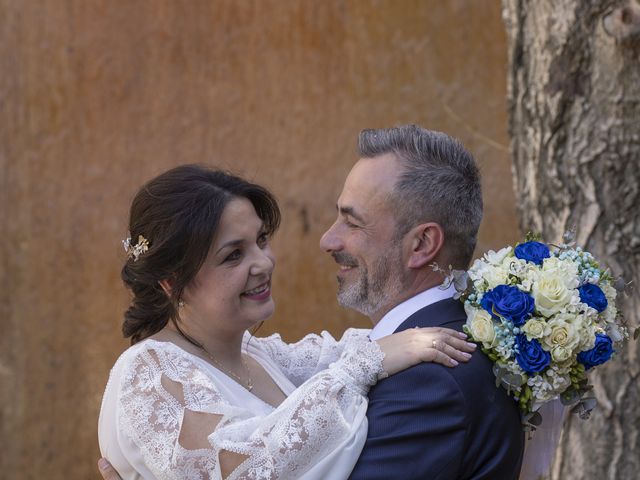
(368, 294)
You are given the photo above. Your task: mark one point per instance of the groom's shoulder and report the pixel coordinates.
(474, 379)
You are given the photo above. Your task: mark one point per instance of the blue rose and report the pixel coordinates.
(508, 302)
(593, 296)
(534, 252)
(531, 357)
(599, 354)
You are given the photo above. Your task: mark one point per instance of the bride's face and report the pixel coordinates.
(233, 287)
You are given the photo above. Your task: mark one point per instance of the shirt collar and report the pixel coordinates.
(398, 314)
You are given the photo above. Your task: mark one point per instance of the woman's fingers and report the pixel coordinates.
(107, 471)
(456, 354)
(449, 344)
(438, 356)
(460, 344)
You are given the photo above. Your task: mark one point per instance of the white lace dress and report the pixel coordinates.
(316, 433)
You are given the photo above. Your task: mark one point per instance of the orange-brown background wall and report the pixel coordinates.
(97, 96)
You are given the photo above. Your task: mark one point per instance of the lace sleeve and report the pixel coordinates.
(303, 359)
(163, 391)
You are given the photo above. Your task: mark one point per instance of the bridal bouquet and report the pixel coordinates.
(545, 315)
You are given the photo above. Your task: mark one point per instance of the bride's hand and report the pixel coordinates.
(433, 344)
(107, 471)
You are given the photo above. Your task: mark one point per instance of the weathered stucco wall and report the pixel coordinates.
(98, 96)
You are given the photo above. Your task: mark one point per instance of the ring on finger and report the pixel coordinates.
(434, 344)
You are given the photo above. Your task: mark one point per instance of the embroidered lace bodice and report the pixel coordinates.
(156, 390)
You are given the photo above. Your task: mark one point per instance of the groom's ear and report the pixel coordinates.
(426, 241)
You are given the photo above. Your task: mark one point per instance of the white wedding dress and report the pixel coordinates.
(316, 433)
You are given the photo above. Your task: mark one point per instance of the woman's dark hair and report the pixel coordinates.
(178, 213)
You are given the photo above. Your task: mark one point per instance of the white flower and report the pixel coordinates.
(587, 332)
(480, 325)
(610, 313)
(614, 332)
(489, 275)
(536, 328)
(565, 270)
(609, 292)
(550, 293)
(560, 354)
(564, 333)
(496, 258)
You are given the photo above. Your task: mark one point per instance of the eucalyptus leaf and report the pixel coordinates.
(584, 407)
(506, 378)
(570, 397)
(534, 418)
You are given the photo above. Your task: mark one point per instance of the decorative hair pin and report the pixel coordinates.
(134, 251)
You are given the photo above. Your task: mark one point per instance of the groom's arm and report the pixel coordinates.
(418, 427)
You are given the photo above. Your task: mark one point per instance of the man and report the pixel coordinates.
(414, 201)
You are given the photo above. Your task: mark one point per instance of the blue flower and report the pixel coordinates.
(599, 354)
(509, 303)
(531, 357)
(592, 295)
(534, 252)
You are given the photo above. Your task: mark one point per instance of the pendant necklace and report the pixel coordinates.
(248, 384)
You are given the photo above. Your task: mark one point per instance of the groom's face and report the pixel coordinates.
(363, 239)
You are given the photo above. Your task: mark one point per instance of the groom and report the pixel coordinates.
(414, 200)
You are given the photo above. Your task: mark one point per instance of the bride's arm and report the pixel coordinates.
(301, 360)
(184, 427)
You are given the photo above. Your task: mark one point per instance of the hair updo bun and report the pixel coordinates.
(178, 213)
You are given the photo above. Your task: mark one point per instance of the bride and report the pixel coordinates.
(196, 396)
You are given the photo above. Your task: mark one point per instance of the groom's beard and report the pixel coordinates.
(371, 290)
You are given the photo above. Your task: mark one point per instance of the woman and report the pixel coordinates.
(197, 396)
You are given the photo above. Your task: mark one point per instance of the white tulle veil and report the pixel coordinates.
(540, 448)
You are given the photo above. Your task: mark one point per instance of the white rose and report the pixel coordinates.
(565, 270)
(560, 354)
(480, 325)
(550, 294)
(564, 333)
(535, 328)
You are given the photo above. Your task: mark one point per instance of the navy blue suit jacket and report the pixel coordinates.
(437, 423)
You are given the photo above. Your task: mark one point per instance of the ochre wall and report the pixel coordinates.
(98, 96)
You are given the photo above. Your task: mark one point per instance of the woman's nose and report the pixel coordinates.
(264, 262)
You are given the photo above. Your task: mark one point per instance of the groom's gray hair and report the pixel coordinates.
(440, 183)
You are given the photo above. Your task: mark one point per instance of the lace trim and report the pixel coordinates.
(282, 444)
(314, 353)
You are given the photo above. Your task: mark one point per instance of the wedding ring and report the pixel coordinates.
(434, 344)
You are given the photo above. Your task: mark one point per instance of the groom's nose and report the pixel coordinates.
(330, 241)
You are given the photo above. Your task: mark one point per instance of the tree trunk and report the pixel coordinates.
(574, 105)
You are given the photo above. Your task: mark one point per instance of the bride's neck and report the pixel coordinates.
(224, 346)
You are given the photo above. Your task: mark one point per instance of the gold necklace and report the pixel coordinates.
(249, 383)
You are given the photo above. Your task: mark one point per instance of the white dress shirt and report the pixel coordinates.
(398, 314)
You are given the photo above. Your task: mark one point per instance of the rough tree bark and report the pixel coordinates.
(574, 105)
